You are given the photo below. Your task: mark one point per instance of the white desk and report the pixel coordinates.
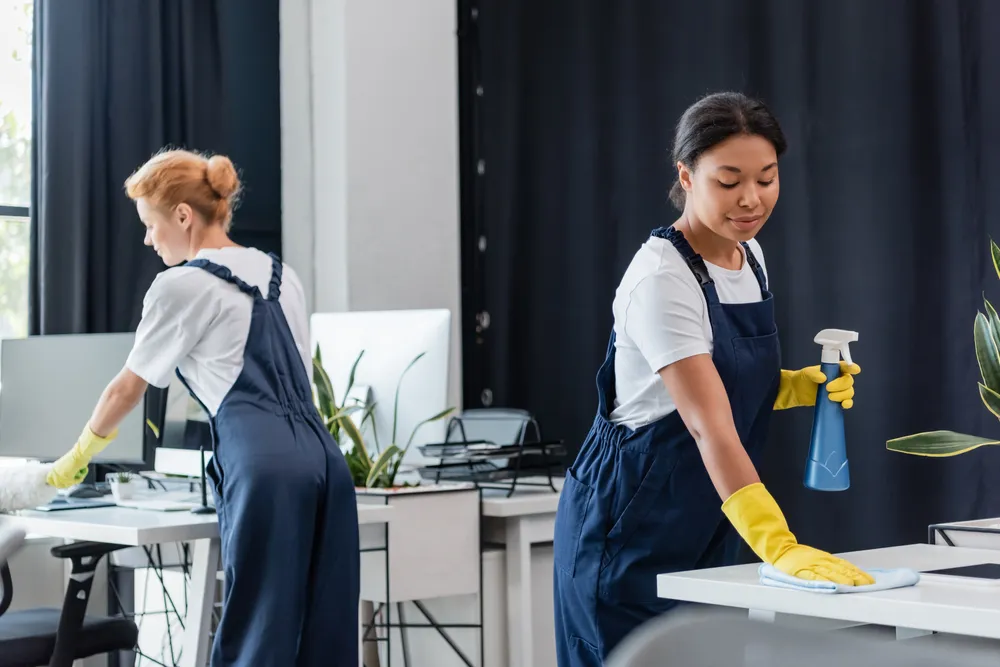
(526, 518)
(131, 527)
(933, 605)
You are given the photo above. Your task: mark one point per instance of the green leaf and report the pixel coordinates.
(369, 415)
(350, 378)
(991, 399)
(395, 407)
(345, 413)
(153, 428)
(987, 353)
(937, 443)
(380, 464)
(359, 466)
(355, 435)
(991, 315)
(440, 415)
(326, 402)
(995, 253)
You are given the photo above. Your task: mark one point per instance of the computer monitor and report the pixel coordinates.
(49, 386)
(183, 427)
(390, 341)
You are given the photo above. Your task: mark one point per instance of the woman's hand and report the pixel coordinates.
(703, 405)
(119, 398)
(798, 388)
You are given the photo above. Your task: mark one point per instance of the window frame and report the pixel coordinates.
(15, 212)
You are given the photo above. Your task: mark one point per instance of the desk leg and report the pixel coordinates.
(124, 583)
(911, 633)
(198, 625)
(520, 652)
(762, 616)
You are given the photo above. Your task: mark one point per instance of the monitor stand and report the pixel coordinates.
(205, 508)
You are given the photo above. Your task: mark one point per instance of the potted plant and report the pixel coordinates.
(986, 335)
(372, 466)
(122, 485)
(434, 531)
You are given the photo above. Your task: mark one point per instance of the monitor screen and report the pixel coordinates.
(184, 423)
(49, 386)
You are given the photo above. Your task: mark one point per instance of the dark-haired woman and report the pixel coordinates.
(666, 480)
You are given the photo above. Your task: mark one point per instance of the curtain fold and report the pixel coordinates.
(115, 81)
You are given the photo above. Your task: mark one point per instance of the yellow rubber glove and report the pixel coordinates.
(759, 521)
(71, 468)
(798, 388)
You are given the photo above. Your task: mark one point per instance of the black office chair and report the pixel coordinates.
(57, 637)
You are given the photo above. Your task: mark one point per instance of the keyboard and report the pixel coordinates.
(60, 503)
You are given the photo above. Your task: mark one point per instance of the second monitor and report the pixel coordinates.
(49, 386)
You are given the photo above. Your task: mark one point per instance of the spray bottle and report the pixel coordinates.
(826, 468)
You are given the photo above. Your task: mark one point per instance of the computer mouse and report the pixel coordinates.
(84, 491)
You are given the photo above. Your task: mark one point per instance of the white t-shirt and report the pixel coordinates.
(660, 317)
(197, 322)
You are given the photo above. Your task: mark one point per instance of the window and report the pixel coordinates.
(16, 18)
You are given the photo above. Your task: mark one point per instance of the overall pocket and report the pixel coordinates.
(575, 501)
(649, 472)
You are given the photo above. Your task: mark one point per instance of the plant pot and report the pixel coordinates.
(434, 543)
(122, 490)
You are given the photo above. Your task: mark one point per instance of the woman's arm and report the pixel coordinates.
(697, 391)
(122, 394)
(702, 403)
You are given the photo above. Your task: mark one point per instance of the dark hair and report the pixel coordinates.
(715, 118)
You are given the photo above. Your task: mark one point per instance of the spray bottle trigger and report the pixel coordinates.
(845, 352)
(836, 341)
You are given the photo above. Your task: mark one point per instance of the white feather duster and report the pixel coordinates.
(24, 487)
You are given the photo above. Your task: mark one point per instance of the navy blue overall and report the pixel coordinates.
(287, 508)
(637, 503)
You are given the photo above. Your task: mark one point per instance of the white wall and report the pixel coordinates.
(370, 156)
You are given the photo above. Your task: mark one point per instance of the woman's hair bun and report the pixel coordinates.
(221, 175)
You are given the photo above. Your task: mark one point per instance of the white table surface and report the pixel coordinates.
(934, 604)
(135, 527)
(524, 501)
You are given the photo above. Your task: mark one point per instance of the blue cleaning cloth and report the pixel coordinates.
(884, 580)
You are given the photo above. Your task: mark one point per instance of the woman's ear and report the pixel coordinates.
(184, 215)
(684, 176)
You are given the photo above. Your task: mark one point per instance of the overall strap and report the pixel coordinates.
(693, 259)
(757, 269)
(274, 289)
(224, 273)
(211, 418)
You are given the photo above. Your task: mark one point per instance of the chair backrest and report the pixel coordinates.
(11, 540)
(702, 638)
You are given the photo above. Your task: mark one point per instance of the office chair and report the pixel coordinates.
(54, 637)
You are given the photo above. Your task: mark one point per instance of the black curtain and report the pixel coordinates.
(882, 226)
(115, 81)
